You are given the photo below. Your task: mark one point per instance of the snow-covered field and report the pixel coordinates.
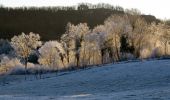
(146, 80)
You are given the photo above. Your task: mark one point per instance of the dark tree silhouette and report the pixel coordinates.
(50, 22)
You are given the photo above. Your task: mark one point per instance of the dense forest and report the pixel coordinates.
(50, 22)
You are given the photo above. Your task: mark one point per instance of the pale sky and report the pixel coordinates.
(159, 8)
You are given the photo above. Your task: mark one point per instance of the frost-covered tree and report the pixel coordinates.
(137, 37)
(72, 40)
(165, 35)
(133, 11)
(101, 40)
(53, 55)
(8, 64)
(24, 45)
(157, 39)
(116, 26)
(90, 53)
(4, 64)
(152, 40)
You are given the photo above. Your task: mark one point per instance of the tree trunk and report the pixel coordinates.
(83, 57)
(26, 61)
(117, 51)
(165, 48)
(102, 53)
(68, 56)
(77, 57)
(93, 59)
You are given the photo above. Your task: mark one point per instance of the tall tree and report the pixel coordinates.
(73, 39)
(116, 26)
(139, 32)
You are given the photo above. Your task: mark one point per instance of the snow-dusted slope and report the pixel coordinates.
(148, 80)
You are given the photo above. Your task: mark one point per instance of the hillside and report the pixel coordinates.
(51, 22)
(149, 80)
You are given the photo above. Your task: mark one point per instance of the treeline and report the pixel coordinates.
(120, 37)
(50, 22)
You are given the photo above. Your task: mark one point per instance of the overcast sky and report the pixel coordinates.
(159, 8)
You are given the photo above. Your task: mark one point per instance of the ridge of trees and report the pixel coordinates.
(120, 37)
(50, 22)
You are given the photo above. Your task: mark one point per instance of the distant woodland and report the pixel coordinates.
(50, 22)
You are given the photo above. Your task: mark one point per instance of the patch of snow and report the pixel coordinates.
(148, 80)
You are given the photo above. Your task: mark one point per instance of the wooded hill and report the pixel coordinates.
(50, 22)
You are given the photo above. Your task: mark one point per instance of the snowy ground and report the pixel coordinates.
(146, 80)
